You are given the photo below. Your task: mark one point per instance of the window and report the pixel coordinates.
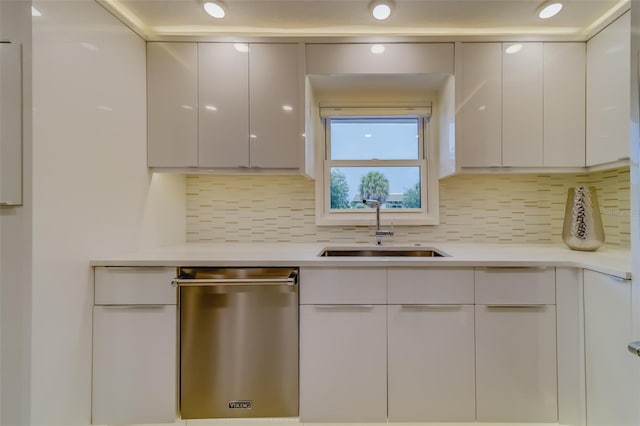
(381, 155)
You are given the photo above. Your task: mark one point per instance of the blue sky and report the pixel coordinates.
(354, 139)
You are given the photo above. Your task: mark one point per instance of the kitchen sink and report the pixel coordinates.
(381, 252)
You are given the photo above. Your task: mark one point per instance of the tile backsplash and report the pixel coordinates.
(509, 208)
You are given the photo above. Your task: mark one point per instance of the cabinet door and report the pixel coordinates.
(480, 109)
(431, 363)
(275, 109)
(343, 363)
(134, 364)
(172, 104)
(223, 126)
(516, 378)
(564, 104)
(610, 386)
(522, 105)
(395, 58)
(608, 88)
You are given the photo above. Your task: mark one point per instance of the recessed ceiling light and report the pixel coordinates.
(287, 108)
(513, 49)
(210, 108)
(35, 12)
(381, 11)
(214, 9)
(549, 9)
(377, 49)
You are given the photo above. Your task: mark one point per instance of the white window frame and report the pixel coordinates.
(427, 215)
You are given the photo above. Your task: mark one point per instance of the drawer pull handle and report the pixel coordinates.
(136, 306)
(517, 306)
(430, 307)
(135, 268)
(514, 268)
(344, 307)
(634, 348)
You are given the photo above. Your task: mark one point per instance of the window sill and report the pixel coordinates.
(369, 219)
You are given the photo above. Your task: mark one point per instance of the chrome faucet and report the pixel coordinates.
(379, 232)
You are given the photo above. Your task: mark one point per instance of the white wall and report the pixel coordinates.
(15, 247)
(92, 195)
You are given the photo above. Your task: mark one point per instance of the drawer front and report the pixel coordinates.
(343, 286)
(134, 286)
(517, 286)
(433, 285)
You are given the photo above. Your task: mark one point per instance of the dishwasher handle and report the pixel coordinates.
(204, 282)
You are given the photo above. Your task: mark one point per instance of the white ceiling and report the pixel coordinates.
(171, 19)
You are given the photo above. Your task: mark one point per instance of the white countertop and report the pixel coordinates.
(607, 260)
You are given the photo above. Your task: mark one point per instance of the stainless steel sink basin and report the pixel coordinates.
(382, 252)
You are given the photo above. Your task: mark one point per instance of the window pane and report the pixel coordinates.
(374, 139)
(394, 187)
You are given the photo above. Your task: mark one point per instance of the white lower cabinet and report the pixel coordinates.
(343, 345)
(516, 358)
(134, 346)
(431, 363)
(394, 343)
(343, 363)
(430, 327)
(134, 364)
(608, 330)
(516, 364)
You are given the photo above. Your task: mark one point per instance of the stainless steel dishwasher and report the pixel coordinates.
(238, 342)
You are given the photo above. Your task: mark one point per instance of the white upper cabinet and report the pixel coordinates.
(479, 121)
(172, 104)
(522, 105)
(223, 125)
(390, 58)
(275, 111)
(608, 93)
(225, 105)
(564, 104)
